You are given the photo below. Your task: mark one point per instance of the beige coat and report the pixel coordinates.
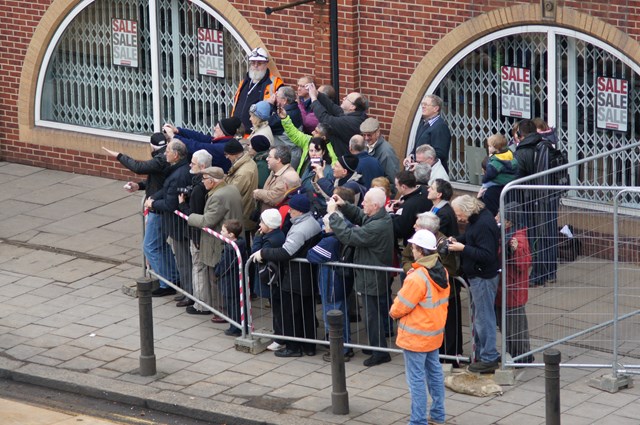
(243, 174)
(275, 188)
(223, 202)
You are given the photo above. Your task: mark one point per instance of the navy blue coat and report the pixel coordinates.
(165, 201)
(194, 141)
(436, 135)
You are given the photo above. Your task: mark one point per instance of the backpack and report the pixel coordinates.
(347, 253)
(548, 157)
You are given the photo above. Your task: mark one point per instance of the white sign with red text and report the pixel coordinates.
(124, 42)
(210, 52)
(612, 101)
(515, 92)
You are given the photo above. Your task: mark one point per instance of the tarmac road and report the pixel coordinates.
(24, 404)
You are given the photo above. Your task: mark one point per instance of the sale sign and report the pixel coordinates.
(210, 52)
(124, 42)
(515, 92)
(612, 101)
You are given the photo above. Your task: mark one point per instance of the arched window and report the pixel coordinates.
(564, 67)
(127, 66)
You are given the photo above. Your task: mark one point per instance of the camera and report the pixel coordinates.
(318, 161)
(443, 247)
(186, 191)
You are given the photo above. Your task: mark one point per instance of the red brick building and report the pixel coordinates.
(64, 97)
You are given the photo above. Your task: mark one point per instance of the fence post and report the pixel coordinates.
(339, 394)
(145, 310)
(552, 385)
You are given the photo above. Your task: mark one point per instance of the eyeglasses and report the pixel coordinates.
(348, 100)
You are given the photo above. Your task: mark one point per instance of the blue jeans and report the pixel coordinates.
(483, 298)
(332, 301)
(157, 251)
(424, 372)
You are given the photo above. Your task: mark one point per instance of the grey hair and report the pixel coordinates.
(378, 196)
(283, 153)
(426, 150)
(178, 147)
(288, 93)
(356, 143)
(437, 100)
(322, 129)
(467, 205)
(202, 158)
(428, 221)
(423, 173)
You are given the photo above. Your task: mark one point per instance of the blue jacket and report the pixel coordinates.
(273, 239)
(194, 141)
(328, 250)
(165, 201)
(227, 268)
(481, 239)
(369, 168)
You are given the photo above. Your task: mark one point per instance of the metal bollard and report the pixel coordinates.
(552, 385)
(145, 310)
(339, 394)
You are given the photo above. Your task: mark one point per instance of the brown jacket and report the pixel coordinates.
(274, 188)
(243, 174)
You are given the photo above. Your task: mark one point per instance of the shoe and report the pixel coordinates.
(367, 352)
(483, 367)
(287, 352)
(163, 292)
(192, 310)
(217, 319)
(347, 356)
(254, 296)
(274, 346)
(310, 352)
(233, 332)
(377, 359)
(185, 303)
(179, 297)
(432, 422)
(267, 304)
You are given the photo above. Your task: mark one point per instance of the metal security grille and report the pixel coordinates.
(472, 105)
(471, 93)
(82, 86)
(189, 99)
(579, 64)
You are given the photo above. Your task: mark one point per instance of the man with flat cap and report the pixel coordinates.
(223, 202)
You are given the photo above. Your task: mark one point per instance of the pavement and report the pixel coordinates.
(68, 243)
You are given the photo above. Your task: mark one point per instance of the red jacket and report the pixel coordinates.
(518, 264)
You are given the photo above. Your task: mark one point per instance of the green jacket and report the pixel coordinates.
(301, 140)
(372, 238)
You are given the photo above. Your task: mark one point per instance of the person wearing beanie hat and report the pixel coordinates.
(259, 150)
(271, 218)
(233, 147)
(349, 162)
(258, 85)
(229, 126)
(295, 299)
(158, 140)
(300, 202)
(195, 141)
(259, 117)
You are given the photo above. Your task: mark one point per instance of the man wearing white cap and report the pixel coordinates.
(258, 85)
(421, 311)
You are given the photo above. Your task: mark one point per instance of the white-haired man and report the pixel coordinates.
(372, 238)
(257, 85)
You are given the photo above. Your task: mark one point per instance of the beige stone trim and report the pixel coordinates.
(34, 56)
(480, 26)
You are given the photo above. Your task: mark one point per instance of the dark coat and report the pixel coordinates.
(293, 111)
(194, 141)
(195, 204)
(369, 168)
(341, 126)
(448, 221)
(155, 169)
(481, 240)
(436, 135)
(526, 155)
(165, 200)
(413, 204)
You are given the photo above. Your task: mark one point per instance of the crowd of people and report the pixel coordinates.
(295, 174)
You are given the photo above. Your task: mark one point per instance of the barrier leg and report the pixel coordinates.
(552, 386)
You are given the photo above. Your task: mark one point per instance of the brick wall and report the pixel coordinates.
(381, 43)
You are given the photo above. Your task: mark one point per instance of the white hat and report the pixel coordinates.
(259, 54)
(424, 239)
(271, 218)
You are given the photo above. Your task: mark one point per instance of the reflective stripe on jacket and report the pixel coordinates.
(421, 307)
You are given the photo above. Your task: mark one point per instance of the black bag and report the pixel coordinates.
(548, 157)
(568, 248)
(268, 273)
(347, 253)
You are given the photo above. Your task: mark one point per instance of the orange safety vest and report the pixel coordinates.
(421, 306)
(276, 82)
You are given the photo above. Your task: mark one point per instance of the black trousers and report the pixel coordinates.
(299, 319)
